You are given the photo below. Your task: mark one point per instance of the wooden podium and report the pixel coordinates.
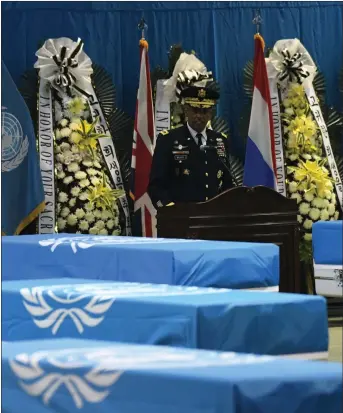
(241, 214)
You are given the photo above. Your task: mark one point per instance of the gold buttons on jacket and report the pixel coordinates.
(206, 186)
(206, 174)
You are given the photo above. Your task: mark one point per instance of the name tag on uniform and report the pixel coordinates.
(180, 156)
(180, 153)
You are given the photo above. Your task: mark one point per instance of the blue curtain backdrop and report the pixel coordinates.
(220, 32)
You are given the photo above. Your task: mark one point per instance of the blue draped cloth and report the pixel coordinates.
(89, 376)
(145, 260)
(204, 318)
(327, 240)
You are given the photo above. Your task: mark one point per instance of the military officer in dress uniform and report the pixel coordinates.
(190, 163)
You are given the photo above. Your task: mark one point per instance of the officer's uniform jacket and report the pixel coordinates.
(181, 172)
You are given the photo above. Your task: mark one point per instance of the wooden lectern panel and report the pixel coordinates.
(241, 214)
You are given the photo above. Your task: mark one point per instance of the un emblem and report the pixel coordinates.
(14, 146)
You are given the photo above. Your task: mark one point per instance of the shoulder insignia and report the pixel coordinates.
(165, 132)
(224, 135)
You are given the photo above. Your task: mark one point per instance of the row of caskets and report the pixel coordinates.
(121, 324)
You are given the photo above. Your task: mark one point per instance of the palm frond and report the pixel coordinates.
(319, 86)
(334, 123)
(339, 163)
(219, 125)
(104, 89)
(125, 168)
(333, 118)
(237, 169)
(248, 76)
(121, 125)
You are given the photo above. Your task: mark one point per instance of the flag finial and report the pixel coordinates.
(142, 26)
(257, 20)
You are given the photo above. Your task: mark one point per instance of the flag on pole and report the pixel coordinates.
(144, 219)
(22, 194)
(260, 163)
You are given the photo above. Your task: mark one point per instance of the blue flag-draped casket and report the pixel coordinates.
(72, 375)
(167, 261)
(204, 318)
(328, 258)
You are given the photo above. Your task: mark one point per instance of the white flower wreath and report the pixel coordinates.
(78, 175)
(308, 179)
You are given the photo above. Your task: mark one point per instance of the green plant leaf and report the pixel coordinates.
(237, 169)
(319, 86)
(248, 76)
(334, 123)
(104, 88)
(220, 125)
(339, 163)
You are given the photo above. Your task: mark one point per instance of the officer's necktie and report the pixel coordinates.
(199, 137)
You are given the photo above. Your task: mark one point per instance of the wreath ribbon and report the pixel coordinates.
(293, 67)
(291, 62)
(65, 65)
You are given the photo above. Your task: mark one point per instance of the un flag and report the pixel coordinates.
(22, 195)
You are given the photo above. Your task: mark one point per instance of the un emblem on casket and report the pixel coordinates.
(14, 146)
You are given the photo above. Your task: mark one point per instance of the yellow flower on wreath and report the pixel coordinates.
(313, 176)
(301, 110)
(302, 132)
(303, 125)
(76, 105)
(86, 137)
(292, 142)
(103, 196)
(295, 90)
(296, 99)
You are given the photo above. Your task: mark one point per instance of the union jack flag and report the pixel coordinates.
(144, 219)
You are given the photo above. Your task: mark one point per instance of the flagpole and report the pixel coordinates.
(142, 147)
